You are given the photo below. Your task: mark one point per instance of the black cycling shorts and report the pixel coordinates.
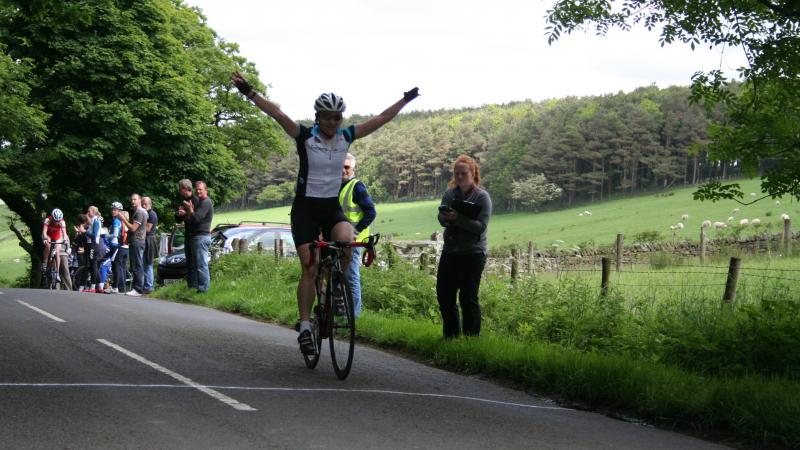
(310, 216)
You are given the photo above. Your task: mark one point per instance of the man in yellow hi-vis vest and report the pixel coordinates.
(359, 209)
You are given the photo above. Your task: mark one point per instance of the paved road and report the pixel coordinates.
(109, 371)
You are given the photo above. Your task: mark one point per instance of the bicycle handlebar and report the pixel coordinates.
(366, 259)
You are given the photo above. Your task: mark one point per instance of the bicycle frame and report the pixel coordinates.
(334, 320)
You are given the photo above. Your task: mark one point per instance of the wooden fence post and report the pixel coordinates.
(276, 246)
(620, 240)
(423, 260)
(514, 264)
(260, 247)
(280, 247)
(787, 237)
(530, 257)
(235, 245)
(702, 244)
(242, 245)
(733, 278)
(606, 265)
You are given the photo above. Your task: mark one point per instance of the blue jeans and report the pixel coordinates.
(137, 264)
(353, 276)
(148, 276)
(200, 248)
(120, 267)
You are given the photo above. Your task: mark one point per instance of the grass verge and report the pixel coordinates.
(756, 409)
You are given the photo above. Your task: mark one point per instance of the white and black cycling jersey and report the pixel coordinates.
(321, 161)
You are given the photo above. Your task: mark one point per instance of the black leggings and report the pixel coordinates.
(94, 264)
(460, 274)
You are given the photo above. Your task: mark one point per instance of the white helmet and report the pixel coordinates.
(57, 214)
(116, 205)
(329, 102)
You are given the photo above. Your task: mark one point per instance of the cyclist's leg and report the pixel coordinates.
(46, 255)
(343, 231)
(57, 260)
(305, 288)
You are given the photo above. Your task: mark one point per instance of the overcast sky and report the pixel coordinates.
(459, 53)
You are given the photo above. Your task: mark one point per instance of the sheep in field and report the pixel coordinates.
(755, 222)
(684, 217)
(706, 224)
(744, 222)
(720, 225)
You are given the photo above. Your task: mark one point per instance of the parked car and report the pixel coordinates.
(172, 266)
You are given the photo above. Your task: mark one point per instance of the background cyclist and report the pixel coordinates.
(54, 230)
(322, 150)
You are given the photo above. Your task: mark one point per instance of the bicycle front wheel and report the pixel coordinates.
(342, 326)
(312, 360)
(52, 279)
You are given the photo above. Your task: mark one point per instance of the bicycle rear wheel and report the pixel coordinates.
(342, 326)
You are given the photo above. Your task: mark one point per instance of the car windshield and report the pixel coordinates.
(267, 239)
(254, 236)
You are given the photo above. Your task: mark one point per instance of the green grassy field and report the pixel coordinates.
(12, 257)
(417, 220)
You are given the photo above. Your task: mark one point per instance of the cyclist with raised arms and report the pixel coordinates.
(54, 231)
(322, 150)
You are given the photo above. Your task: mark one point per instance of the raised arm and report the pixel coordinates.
(271, 109)
(366, 128)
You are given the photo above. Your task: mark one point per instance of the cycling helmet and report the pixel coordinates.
(57, 214)
(329, 102)
(116, 205)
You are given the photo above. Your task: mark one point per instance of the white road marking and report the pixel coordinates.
(185, 380)
(284, 389)
(41, 311)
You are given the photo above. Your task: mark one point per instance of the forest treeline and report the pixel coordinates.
(590, 147)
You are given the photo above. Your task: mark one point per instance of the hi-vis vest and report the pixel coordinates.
(352, 211)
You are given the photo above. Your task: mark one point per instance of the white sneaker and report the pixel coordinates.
(133, 293)
(115, 291)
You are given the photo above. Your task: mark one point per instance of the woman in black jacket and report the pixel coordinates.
(464, 214)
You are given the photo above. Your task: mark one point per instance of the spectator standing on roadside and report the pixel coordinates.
(464, 253)
(121, 281)
(82, 251)
(93, 237)
(138, 227)
(118, 262)
(359, 209)
(149, 244)
(198, 219)
(187, 198)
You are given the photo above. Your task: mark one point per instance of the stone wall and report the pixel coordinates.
(560, 259)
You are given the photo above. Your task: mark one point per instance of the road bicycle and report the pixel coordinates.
(50, 275)
(333, 317)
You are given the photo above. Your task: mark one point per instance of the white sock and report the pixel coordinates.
(305, 325)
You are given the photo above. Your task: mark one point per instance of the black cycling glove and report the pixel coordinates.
(411, 95)
(245, 88)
